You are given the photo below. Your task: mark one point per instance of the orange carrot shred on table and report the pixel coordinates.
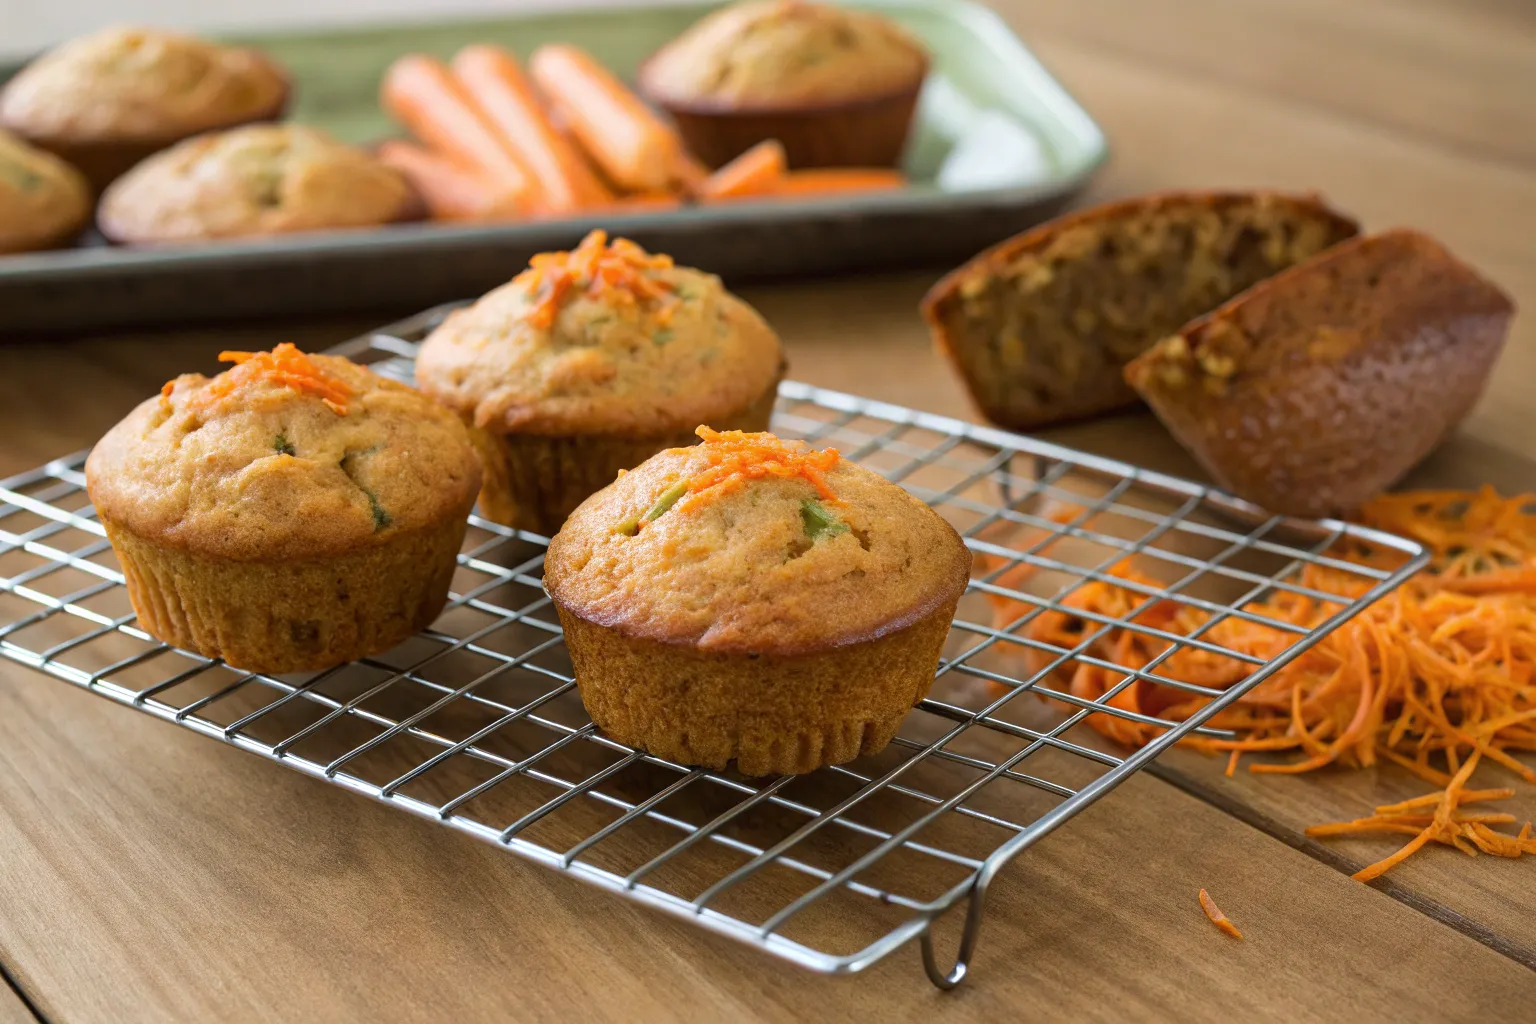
(284, 366)
(1443, 667)
(1217, 918)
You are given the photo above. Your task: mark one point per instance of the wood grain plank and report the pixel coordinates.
(12, 1009)
(201, 884)
(1457, 78)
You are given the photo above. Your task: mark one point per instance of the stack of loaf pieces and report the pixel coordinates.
(1307, 367)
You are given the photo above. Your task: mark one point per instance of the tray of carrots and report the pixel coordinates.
(521, 134)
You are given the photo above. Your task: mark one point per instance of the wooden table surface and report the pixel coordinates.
(149, 874)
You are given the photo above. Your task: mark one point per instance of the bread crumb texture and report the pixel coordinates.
(750, 544)
(1041, 326)
(283, 456)
(604, 339)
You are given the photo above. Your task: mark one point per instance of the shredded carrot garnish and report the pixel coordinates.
(1443, 667)
(1218, 919)
(622, 270)
(284, 366)
(736, 457)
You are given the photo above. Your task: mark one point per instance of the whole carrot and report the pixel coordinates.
(759, 171)
(492, 79)
(451, 191)
(631, 145)
(419, 92)
(832, 180)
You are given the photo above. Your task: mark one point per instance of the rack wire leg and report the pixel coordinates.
(956, 974)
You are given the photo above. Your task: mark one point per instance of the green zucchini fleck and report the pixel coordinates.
(667, 500)
(283, 446)
(23, 178)
(818, 522)
(381, 518)
(663, 336)
(628, 527)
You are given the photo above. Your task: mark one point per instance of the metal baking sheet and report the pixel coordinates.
(981, 70)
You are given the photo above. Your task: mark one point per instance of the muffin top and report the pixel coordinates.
(748, 543)
(42, 199)
(139, 85)
(606, 339)
(285, 455)
(262, 179)
(774, 53)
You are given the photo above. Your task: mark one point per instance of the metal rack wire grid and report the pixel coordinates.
(477, 722)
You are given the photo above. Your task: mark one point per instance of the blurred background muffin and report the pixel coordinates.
(588, 363)
(107, 100)
(263, 179)
(43, 200)
(836, 87)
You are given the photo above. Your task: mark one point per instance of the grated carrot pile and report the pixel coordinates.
(286, 366)
(1439, 669)
(736, 457)
(600, 268)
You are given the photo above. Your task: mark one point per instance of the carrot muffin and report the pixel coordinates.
(836, 87)
(292, 513)
(1040, 326)
(751, 600)
(43, 201)
(107, 100)
(589, 362)
(1318, 389)
(264, 179)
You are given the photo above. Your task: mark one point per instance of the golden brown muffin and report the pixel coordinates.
(292, 513)
(588, 363)
(108, 100)
(44, 202)
(836, 87)
(750, 600)
(264, 179)
(1321, 387)
(1040, 326)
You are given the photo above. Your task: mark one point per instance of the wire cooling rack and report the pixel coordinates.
(476, 723)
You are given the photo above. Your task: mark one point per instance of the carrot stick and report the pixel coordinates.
(1217, 918)
(632, 146)
(758, 171)
(832, 180)
(421, 94)
(490, 76)
(450, 191)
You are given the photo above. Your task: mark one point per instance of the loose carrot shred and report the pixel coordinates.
(736, 457)
(757, 172)
(1217, 918)
(284, 366)
(1442, 668)
(623, 270)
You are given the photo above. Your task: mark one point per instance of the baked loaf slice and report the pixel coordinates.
(1041, 326)
(1321, 387)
